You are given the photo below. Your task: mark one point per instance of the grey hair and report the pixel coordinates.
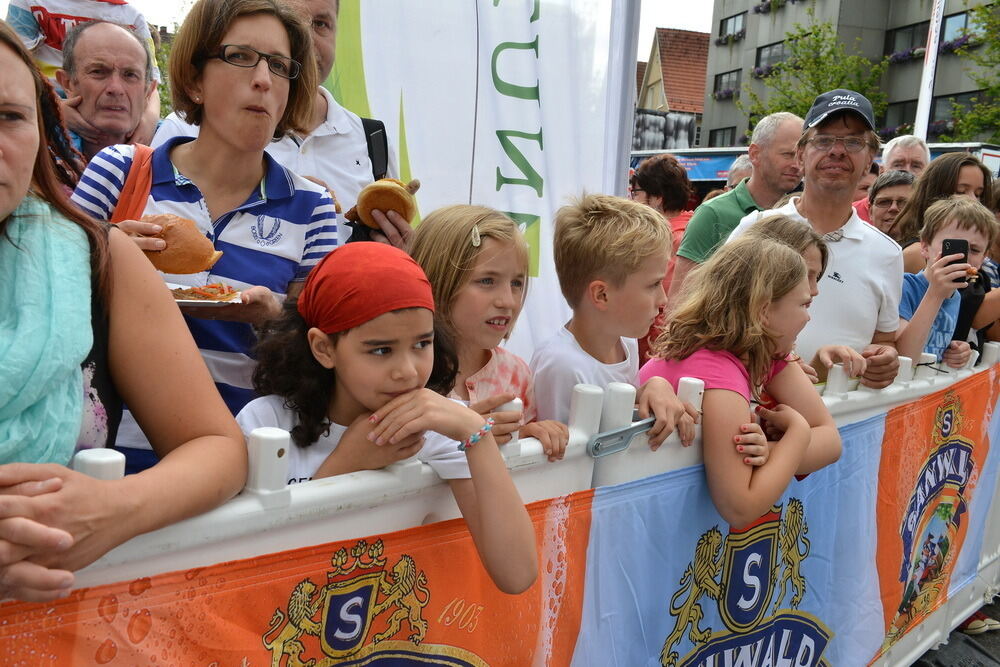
(740, 165)
(768, 125)
(889, 179)
(905, 141)
(73, 36)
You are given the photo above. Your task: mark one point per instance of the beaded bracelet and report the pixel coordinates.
(477, 436)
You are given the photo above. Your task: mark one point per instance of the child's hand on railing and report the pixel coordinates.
(854, 364)
(957, 354)
(553, 435)
(504, 423)
(657, 399)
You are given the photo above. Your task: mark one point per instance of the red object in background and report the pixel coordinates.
(678, 224)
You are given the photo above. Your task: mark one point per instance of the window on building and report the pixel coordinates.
(727, 81)
(899, 113)
(907, 37)
(942, 108)
(954, 26)
(732, 24)
(771, 55)
(725, 136)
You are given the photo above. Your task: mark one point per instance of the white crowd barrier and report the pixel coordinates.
(270, 516)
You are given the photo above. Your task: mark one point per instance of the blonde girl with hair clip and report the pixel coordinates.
(734, 329)
(804, 240)
(477, 261)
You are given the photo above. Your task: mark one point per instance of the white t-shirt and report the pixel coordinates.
(859, 293)
(559, 364)
(439, 452)
(336, 152)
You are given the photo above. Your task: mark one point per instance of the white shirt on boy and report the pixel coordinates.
(559, 364)
(439, 452)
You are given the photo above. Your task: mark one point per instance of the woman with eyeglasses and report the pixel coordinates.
(244, 71)
(887, 197)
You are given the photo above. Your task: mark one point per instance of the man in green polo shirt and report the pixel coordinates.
(776, 172)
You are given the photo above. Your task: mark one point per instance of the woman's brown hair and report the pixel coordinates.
(936, 182)
(200, 37)
(663, 176)
(58, 166)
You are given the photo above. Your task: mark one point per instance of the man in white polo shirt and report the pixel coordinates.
(858, 301)
(335, 152)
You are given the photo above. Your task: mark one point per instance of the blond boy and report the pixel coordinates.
(929, 308)
(611, 256)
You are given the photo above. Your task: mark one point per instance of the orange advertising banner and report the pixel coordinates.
(933, 453)
(418, 596)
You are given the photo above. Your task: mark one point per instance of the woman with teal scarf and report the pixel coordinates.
(80, 306)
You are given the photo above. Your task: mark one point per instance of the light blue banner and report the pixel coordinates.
(668, 583)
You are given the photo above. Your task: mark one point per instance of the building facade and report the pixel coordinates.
(671, 91)
(748, 41)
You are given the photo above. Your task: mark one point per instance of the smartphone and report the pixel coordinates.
(956, 247)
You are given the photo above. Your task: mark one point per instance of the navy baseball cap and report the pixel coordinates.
(840, 100)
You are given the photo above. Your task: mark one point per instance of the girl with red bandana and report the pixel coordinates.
(349, 369)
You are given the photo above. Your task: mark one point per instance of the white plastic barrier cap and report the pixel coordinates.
(268, 459)
(101, 463)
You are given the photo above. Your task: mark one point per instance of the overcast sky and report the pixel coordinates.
(697, 15)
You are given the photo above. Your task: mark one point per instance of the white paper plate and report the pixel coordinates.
(203, 303)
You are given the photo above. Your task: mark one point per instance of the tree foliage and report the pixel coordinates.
(162, 58)
(982, 118)
(817, 61)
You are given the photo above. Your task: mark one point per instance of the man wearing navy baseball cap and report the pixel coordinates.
(857, 307)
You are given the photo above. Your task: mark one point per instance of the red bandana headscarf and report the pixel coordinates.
(360, 281)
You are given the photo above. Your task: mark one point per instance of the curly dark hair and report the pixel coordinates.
(286, 367)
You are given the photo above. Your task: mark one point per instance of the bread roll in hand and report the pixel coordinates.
(187, 251)
(386, 194)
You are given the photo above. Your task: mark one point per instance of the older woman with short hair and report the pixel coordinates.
(888, 195)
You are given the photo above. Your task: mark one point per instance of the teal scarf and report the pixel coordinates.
(45, 334)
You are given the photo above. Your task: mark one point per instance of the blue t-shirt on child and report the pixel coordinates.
(915, 286)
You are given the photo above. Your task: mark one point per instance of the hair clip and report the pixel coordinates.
(476, 239)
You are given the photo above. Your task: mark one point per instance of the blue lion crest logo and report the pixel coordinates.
(748, 573)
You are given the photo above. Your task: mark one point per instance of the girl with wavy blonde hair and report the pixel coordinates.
(733, 329)
(804, 240)
(477, 261)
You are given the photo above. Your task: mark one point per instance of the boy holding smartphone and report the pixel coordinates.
(956, 234)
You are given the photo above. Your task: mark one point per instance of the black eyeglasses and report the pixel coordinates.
(244, 56)
(825, 142)
(886, 202)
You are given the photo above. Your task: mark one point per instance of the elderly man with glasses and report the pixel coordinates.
(858, 300)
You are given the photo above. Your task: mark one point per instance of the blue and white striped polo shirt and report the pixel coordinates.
(274, 239)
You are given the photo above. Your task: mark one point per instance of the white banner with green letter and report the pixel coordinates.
(515, 104)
